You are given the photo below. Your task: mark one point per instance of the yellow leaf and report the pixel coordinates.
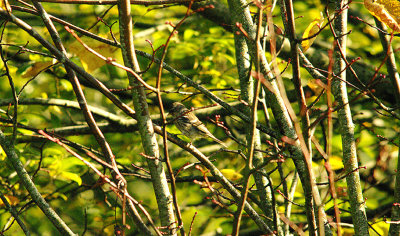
(311, 29)
(336, 162)
(10, 199)
(91, 62)
(60, 195)
(71, 176)
(367, 124)
(56, 109)
(387, 11)
(348, 231)
(315, 164)
(314, 86)
(232, 175)
(36, 68)
(5, 5)
(2, 154)
(380, 228)
(44, 95)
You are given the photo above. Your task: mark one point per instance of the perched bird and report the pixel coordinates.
(189, 124)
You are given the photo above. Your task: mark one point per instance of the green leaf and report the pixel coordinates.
(189, 33)
(71, 176)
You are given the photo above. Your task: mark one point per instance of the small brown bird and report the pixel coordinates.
(189, 124)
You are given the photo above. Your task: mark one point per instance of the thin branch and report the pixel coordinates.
(14, 213)
(104, 178)
(164, 121)
(249, 161)
(12, 86)
(30, 186)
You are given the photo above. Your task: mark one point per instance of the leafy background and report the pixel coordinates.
(204, 51)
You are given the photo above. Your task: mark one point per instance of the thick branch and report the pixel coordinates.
(30, 186)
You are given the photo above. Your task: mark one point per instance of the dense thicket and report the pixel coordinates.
(88, 146)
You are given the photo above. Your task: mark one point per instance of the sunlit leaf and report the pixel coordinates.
(231, 174)
(36, 68)
(379, 228)
(387, 11)
(311, 30)
(60, 195)
(314, 86)
(71, 176)
(189, 33)
(2, 154)
(10, 199)
(5, 5)
(66, 85)
(44, 95)
(25, 131)
(90, 61)
(336, 162)
(71, 163)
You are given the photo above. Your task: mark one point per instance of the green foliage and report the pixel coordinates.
(205, 52)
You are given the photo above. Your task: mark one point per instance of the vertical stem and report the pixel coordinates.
(295, 61)
(312, 197)
(395, 79)
(331, 177)
(243, 62)
(164, 122)
(149, 141)
(249, 161)
(339, 91)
